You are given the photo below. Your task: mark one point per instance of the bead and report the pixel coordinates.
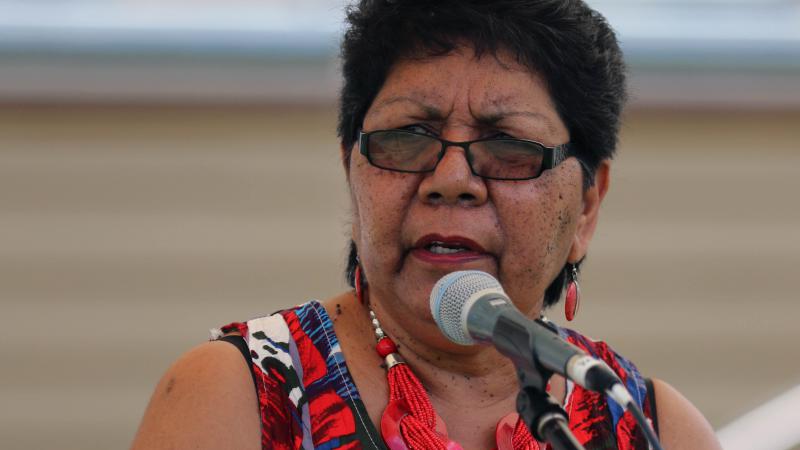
(375, 323)
(379, 334)
(385, 347)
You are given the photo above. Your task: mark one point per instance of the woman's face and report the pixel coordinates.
(412, 229)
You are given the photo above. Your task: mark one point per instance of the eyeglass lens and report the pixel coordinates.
(492, 158)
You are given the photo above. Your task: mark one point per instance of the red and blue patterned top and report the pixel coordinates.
(308, 399)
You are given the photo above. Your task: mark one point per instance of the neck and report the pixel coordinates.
(477, 376)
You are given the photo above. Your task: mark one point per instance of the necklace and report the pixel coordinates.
(409, 421)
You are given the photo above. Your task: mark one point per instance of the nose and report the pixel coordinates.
(452, 183)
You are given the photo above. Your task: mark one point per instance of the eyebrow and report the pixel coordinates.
(494, 118)
(488, 119)
(431, 111)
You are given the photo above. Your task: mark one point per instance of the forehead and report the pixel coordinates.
(489, 88)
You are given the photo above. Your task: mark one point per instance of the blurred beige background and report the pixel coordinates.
(146, 199)
(127, 232)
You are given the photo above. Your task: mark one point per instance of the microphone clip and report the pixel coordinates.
(544, 417)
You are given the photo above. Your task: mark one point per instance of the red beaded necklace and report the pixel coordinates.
(409, 421)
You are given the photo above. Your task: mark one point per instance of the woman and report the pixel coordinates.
(474, 135)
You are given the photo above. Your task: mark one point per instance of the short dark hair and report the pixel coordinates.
(568, 44)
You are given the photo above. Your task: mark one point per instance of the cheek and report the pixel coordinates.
(538, 221)
(529, 220)
(380, 200)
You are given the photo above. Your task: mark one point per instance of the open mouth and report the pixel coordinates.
(435, 247)
(442, 248)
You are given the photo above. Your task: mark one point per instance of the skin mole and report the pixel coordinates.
(170, 386)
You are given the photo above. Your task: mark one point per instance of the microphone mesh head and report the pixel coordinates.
(449, 296)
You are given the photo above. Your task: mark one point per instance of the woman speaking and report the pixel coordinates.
(474, 135)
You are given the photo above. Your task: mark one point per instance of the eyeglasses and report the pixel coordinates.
(492, 158)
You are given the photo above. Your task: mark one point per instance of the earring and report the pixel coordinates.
(572, 299)
(360, 283)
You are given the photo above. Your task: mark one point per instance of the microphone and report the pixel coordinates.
(471, 307)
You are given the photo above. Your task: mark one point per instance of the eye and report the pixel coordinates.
(499, 135)
(419, 128)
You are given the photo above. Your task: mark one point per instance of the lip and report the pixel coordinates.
(474, 250)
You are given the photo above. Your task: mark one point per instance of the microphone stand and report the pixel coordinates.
(545, 418)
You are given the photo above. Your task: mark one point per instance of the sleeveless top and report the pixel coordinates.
(308, 399)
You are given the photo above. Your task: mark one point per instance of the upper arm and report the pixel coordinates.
(206, 400)
(681, 425)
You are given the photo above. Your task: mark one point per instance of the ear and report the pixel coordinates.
(345, 156)
(587, 222)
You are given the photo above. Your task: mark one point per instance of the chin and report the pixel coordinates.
(427, 333)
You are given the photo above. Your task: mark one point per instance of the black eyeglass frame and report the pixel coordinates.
(551, 156)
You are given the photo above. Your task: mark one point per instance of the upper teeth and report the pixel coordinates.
(440, 249)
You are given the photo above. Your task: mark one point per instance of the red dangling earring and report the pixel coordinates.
(572, 299)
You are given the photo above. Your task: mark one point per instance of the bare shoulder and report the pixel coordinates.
(680, 424)
(205, 400)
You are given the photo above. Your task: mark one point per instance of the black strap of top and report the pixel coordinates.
(651, 396)
(240, 343)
